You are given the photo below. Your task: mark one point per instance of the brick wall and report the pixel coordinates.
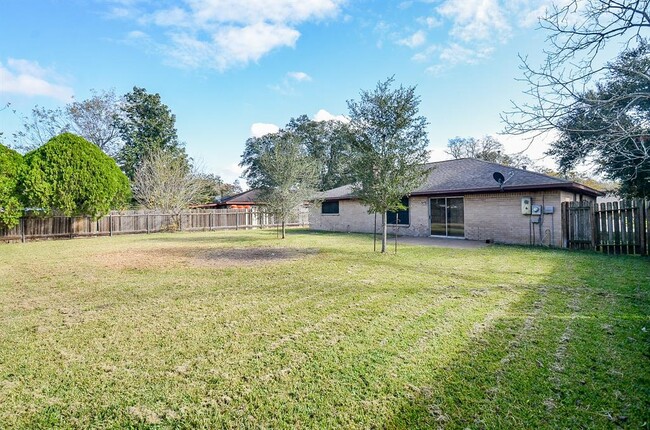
(497, 217)
(493, 216)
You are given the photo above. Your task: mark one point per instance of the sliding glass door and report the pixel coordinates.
(447, 217)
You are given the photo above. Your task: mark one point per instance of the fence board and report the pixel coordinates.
(143, 222)
(613, 228)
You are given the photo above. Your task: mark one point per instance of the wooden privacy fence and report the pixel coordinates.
(612, 228)
(138, 222)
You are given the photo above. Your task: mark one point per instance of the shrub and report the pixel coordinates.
(71, 176)
(11, 209)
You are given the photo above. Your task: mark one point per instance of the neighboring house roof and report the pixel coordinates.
(247, 198)
(469, 175)
(250, 197)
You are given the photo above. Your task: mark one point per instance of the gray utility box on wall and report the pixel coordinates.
(526, 204)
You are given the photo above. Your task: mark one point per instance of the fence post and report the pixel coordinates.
(236, 220)
(110, 224)
(594, 228)
(643, 229)
(22, 229)
(565, 224)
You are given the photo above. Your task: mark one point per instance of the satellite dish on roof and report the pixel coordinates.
(501, 180)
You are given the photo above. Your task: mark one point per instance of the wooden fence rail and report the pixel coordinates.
(613, 227)
(142, 222)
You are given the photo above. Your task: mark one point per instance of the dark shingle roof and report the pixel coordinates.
(247, 197)
(469, 175)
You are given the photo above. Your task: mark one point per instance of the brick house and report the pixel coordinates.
(246, 200)
(461, 199)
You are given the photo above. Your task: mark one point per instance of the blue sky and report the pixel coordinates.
(232, 68)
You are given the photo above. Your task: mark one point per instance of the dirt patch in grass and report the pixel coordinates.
(230, 257)
(202, 257)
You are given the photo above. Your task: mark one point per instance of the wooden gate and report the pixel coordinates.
(612, 228)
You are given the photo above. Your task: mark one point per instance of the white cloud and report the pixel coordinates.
(323, 115)
(287, 86)
(221, 34)
(415, 40)
(475, 19)
(28, 78)
(260, 129)
(299, 76)
(476, 28)
(455, 54)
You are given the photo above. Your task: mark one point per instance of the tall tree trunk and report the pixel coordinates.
(384, 232)
(283, 228)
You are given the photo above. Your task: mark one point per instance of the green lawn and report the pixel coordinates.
(242, 330)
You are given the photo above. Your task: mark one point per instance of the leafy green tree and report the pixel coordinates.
(11, 164)
(591, 92)
(213, 187)
(390, 148)
(327, 142)
(145, 124)
(287, 177)
(71, 176)
(610, 125)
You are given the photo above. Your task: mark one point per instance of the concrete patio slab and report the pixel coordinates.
(439, 242)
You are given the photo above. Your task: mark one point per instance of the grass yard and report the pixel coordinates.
(241, 330)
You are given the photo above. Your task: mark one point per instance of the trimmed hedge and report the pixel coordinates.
(11, 208)
(71, 176)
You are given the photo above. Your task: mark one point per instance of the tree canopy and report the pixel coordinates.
(328, 143)
(71, 176)
(390, 147)
(610, 125)
(11, 165)
(486, 148)
(594, 106)
(144, 125)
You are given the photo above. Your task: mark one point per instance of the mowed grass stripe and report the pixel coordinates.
(377, 372)
(605, 376)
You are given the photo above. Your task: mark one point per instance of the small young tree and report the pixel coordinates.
(11, 208)
(390, 148)
(287, 177)
(166, 182)
(70, 175)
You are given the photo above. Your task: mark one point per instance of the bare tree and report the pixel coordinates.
(486, 148)
(166, 182)
(42, 125)
(95, 119)
(594, 107)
